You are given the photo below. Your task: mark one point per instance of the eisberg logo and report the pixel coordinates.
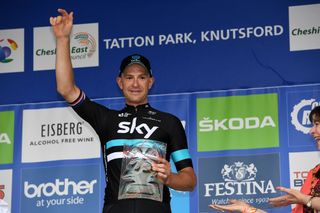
(59, 188)
(128, 127)
(6, 48)
(300, 115)
(58, 129)
(207, 124)
(240, 180)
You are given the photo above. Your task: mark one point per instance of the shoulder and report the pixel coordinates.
(165, 115)
(167, 119)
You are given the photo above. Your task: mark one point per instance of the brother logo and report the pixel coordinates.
(59, 188)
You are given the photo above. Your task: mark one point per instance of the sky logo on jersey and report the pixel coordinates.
(300, 104)
(61, 189)
(237, 122)
(142, 129)
(247, 178)
(6, 137)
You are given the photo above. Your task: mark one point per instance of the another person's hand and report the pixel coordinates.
(292, 197)
(163, 170)
(62, 24)
(234, 206)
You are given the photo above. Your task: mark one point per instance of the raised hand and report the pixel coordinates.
(62, 24)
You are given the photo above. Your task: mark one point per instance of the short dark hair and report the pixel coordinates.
(315, 114)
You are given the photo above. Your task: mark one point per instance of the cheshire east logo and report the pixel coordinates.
(87, 44)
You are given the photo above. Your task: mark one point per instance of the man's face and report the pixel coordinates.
(135, 83)
(315, 131)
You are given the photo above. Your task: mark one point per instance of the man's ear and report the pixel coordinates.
(151, 82)
(119, 82)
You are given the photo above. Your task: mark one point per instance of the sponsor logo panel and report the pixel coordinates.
(304, 27)
(6, 137)
(300, 105)
(5, 190)
(84, 47)
(300, 164)
(57, 134)
(11, 50)
(237, 122)
(247, 178)
(61, 189)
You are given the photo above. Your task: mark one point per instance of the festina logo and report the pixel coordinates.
(131, 127)
(239, 188)
(4, 138)
(239, 180)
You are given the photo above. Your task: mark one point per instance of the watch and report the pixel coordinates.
(309, 203)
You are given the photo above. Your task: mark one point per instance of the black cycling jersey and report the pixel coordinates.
(131, 125)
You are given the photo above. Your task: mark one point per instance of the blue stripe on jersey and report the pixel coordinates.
(180, 155)
(121, 142)
(129, 142)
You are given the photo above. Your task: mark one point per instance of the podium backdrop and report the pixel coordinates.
(241, 76)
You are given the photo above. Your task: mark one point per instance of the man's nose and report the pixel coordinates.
(135, 81)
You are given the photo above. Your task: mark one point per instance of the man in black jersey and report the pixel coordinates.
(137, 141)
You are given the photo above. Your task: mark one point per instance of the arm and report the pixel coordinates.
(184, 180)
(237, 206)
(62, 26)
(294, 197)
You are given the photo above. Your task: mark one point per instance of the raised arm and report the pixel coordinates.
(62, 26)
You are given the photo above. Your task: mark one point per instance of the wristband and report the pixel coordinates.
(250, 209)
(309, 203)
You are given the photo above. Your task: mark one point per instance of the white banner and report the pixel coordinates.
(57, 134)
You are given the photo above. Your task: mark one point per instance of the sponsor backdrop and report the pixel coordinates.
(241, 76)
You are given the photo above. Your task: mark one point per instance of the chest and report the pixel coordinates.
(138, 127)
